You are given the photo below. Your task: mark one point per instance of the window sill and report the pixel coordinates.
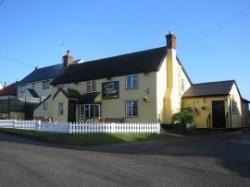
(131, 116)
(132, 88)
(91, 92)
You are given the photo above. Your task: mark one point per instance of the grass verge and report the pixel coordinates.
(83, 139)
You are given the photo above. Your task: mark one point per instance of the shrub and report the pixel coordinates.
(184, 116)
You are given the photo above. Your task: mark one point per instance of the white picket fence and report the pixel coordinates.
(82, 128)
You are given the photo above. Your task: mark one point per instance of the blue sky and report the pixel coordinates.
(213, 40)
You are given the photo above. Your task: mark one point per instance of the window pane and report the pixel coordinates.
(97, 107)
(132, 81)
(131, 108)
(93, 85)
(134, 106)
(128, 81)
(81, 111)
(135, 81)
(86, 111)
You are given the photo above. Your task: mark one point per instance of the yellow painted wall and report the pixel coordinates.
(115, 108)
(169, 90)
(152, 110)
(200, 120)
(40, 112)
(161, 85)
(245, 115)
(17, 115)
(233, 120)
(60, 98)
(236, 117)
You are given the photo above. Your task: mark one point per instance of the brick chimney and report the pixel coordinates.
(67, 59)
(171, 40)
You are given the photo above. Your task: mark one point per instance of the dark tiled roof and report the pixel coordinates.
(245, 100)
(9, 90)
(88, 97)
(43, 101)
(143, 61)
(209, 89)
(70, 93)
(33, 92)
(49, 72)
(45, 73)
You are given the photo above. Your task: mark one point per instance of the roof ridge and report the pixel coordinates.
(214, 82)
(130, 53)
(48, 66)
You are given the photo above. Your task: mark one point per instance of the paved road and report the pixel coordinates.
(209, 160)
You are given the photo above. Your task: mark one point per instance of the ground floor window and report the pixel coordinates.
(131, 108)
(88, 111)
(60, 109)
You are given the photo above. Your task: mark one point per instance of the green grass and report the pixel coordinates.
(83, 139)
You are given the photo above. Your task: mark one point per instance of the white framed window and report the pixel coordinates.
(91, 86)
(60, 109)
(132, 81)
(22, 88)
(45, 85)
(234, 108)
(131, 108)
(88, 111)
(45, 106)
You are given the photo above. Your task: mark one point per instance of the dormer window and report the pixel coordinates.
(91, 86)
(45, 85)
(132, 81)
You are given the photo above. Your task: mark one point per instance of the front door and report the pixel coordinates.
(218, 113)
(72, 111)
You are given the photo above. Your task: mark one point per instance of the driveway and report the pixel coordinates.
(221, 159)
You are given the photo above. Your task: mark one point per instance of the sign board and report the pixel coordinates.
(110, 90)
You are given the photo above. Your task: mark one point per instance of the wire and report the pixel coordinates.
(218, 26)
(16, 61)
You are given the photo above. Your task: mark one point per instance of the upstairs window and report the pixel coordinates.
(22, 88)
(45, 85)
(91, 86)
(132, 81)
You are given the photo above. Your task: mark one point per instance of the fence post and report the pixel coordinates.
(13, 124)
(70, 128)
(38, 125)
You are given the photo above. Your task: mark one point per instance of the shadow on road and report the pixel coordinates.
(231, 155)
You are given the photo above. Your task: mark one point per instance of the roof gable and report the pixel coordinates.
(142, 61)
